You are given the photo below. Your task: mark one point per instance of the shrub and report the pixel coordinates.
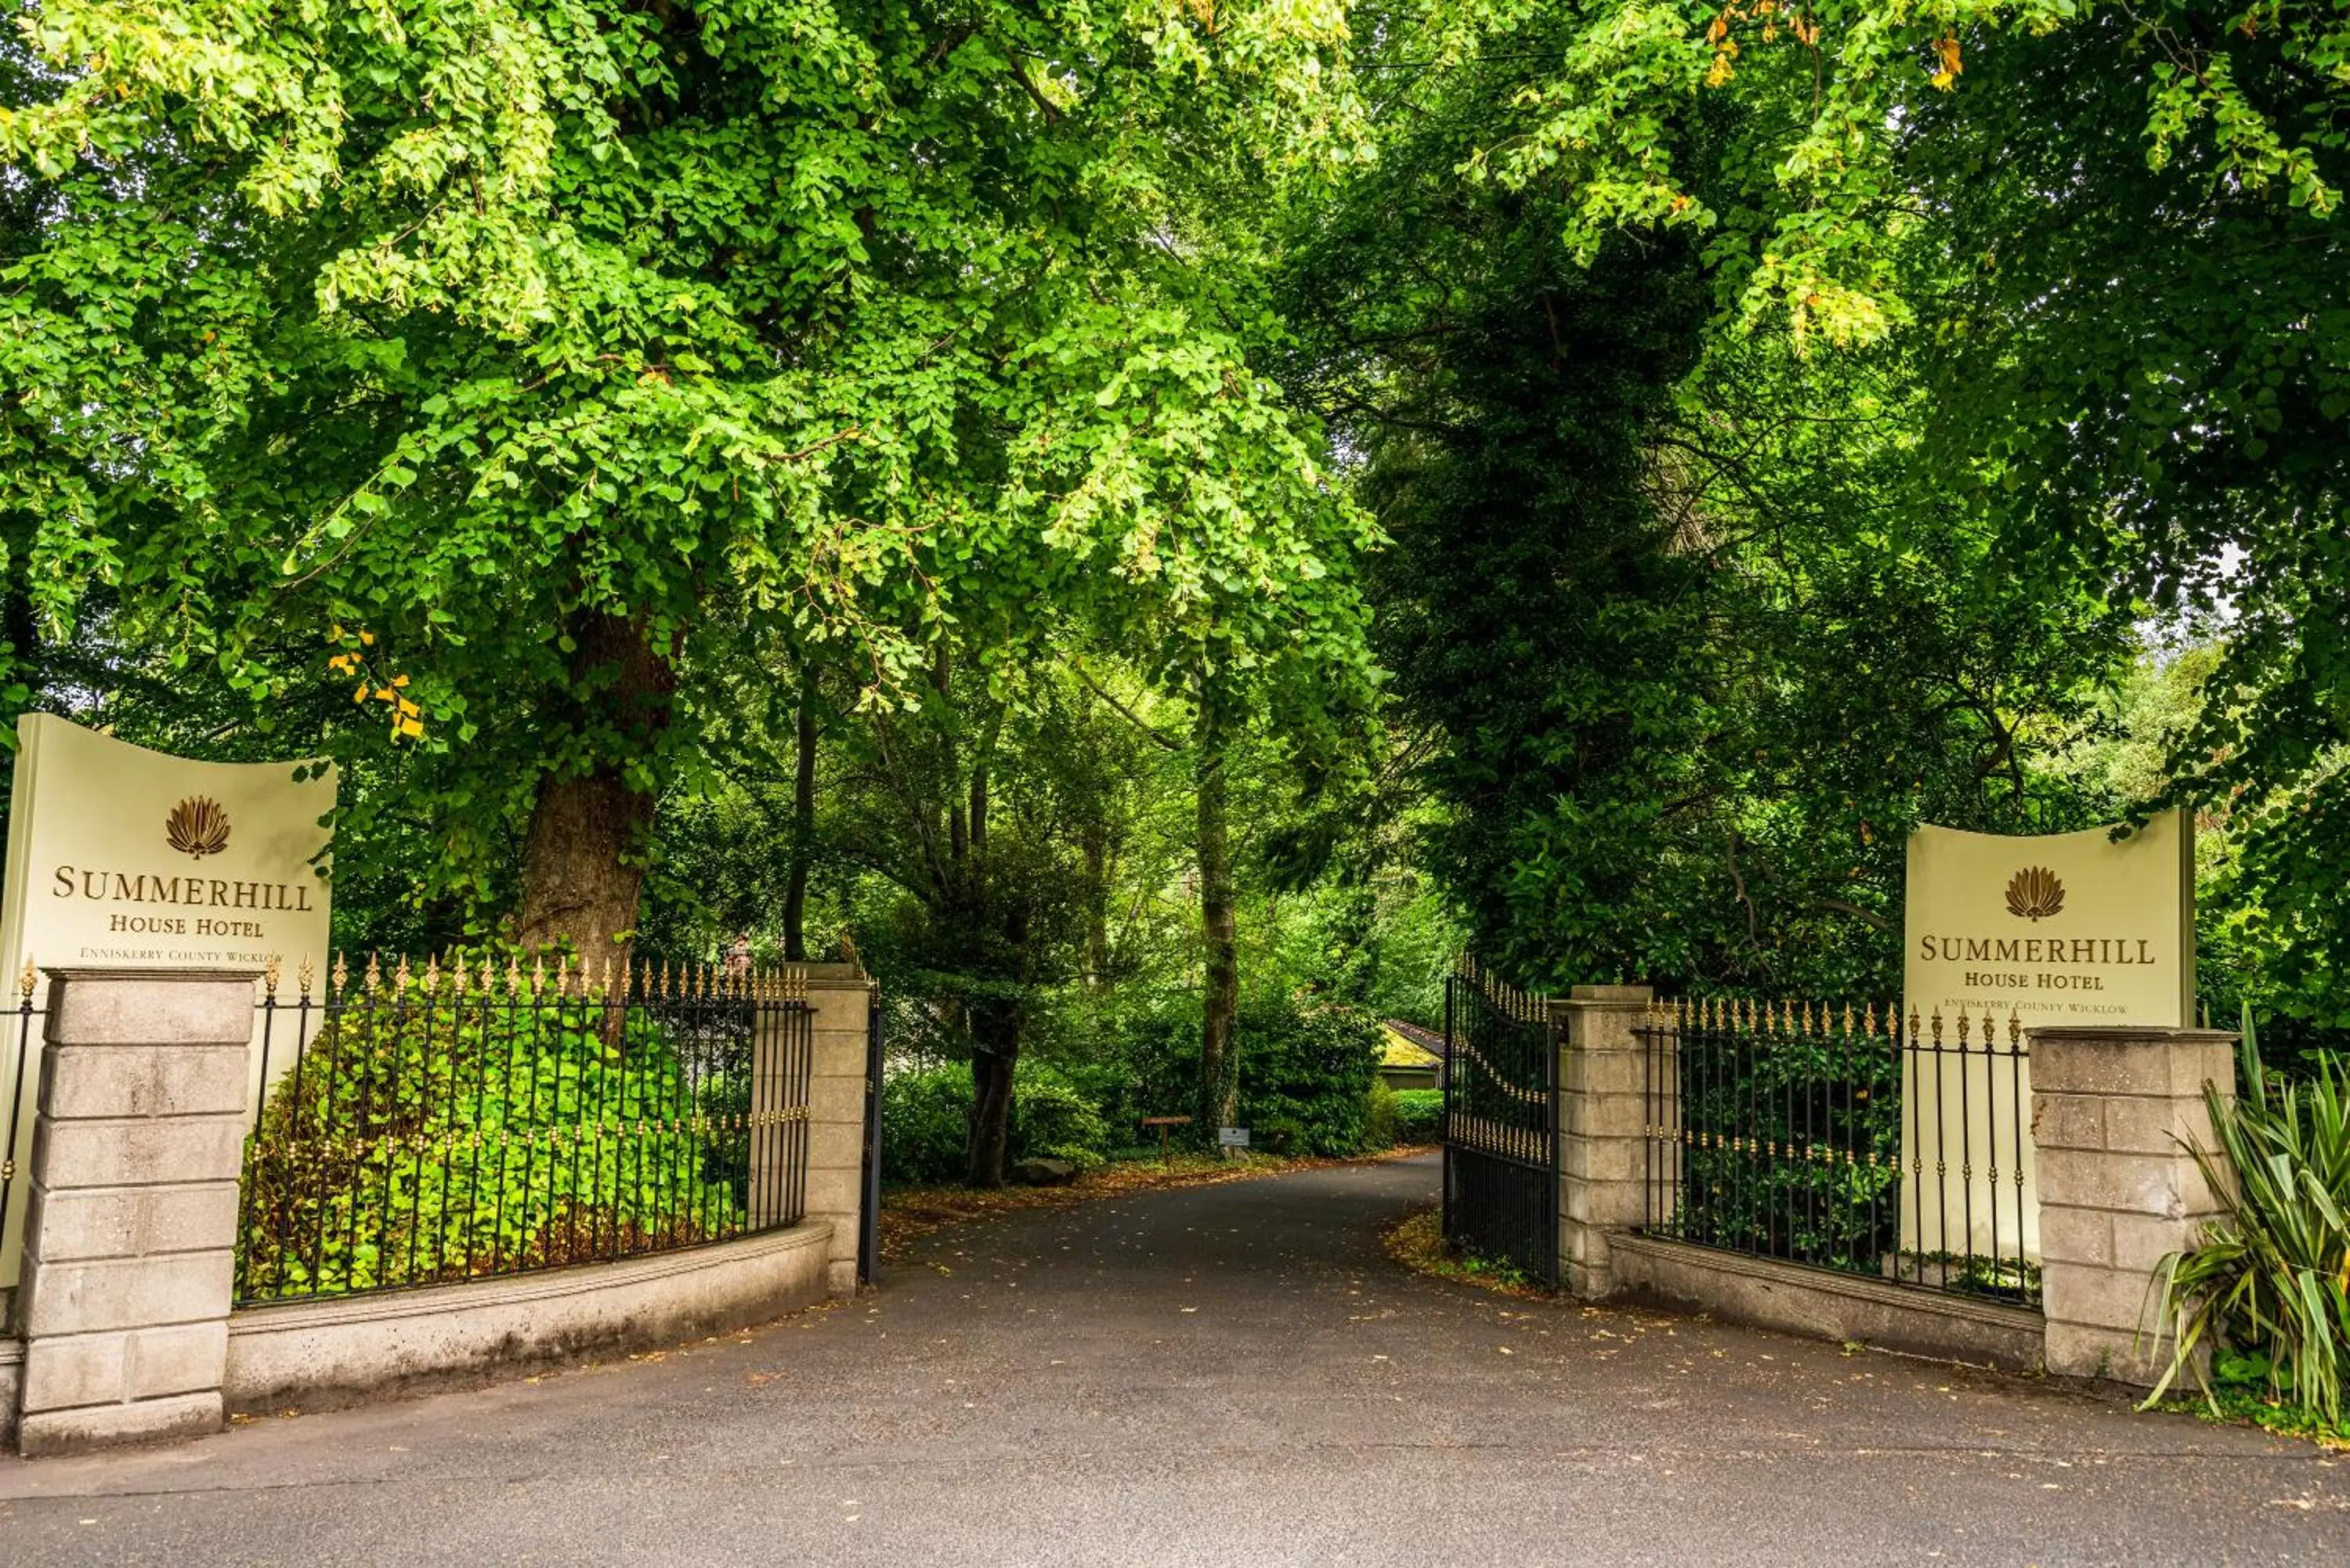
(1277, 1135)
(2268, 1283)
(926, 1123)
(1380, 1120)
(424, 1142)
(1050, 1116)
(1307, 1073)
(1419, 1115)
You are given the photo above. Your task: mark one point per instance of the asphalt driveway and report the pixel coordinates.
(1231, 1375)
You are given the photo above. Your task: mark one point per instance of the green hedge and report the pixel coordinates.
(1305, 1077)
(1419, 1115)
(418, 1143)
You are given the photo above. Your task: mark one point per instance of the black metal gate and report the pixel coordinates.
(869, 1227)
(1500, 1125)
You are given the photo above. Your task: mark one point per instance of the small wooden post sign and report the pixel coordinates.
(1166, 1155)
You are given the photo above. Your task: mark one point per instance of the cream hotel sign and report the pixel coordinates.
(120, 858)
(2073, 929)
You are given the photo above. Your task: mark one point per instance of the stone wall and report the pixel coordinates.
(1823, 1304)
(2113, 1111)
(129, 1239)
(1603, 1114)
(842, 997)
(124, 1308)
(333, 1351)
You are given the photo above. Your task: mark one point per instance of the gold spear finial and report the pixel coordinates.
(341, 976)
(269, 972)
(306, 975)
(374, 979)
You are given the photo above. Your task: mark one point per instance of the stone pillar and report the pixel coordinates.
(1603, 1149)
(2110, 1108)
(841, 995)
(130, 1243)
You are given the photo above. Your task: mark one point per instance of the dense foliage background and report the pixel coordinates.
(1152, 525)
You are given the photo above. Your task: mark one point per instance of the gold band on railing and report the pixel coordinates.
(473, 1137)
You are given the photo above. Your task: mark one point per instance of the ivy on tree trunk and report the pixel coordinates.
(1220, 1064)
(584, 860)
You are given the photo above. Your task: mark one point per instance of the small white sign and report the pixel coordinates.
(1232, 1137)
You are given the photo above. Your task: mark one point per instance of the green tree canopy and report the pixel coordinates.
(548, 360)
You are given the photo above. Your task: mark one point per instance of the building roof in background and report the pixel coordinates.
(1410, 1045)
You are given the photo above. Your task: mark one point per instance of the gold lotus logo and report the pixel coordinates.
(198, 826)
(2034, 892)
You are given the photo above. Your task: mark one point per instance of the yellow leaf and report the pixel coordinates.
(361, 694)
(1946, 49)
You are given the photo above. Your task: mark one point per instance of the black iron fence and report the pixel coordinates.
(450, 1123)
(1500, 1125)
(1841, 1139)
(20, 1055)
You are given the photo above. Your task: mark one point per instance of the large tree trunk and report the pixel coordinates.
(998, 1025)
(803, 821)
(992, 1068)
(1220, 1066)
(583, 863)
